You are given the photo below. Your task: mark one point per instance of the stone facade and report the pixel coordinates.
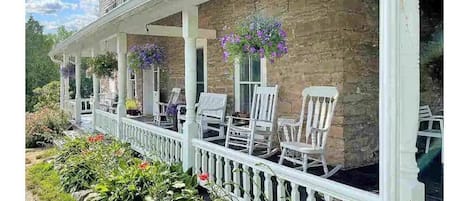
(332, 43)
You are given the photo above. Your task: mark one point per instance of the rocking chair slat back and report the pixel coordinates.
(264, 105)
(319, 112)
(174, 96)
(425, 112)
(212, 101)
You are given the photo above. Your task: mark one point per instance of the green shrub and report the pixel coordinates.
(47, 96)
(77, 174)
(140, 180)
(45, 125)
(44, 182)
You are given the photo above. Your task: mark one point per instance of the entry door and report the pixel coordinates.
(156, 89)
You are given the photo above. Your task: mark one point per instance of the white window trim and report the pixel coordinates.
(237, 81)
(202, 43)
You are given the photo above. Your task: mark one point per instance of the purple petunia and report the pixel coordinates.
(252, 50)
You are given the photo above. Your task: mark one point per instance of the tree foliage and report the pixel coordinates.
(40, 69)
(47, 96)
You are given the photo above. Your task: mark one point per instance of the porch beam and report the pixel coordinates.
(399, 100)
(77, 88)
(172, 31)
(122, 75)
(189, 26)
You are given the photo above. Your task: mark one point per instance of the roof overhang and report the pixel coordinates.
(129, 17)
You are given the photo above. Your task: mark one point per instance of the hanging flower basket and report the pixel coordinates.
(68, 70)
(104, 65)
(256, 36)
(146, 56)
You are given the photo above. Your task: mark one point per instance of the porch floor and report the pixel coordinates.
(366, 178)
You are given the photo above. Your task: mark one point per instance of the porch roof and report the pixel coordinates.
(129, 17)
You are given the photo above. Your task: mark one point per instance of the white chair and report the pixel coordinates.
(161, 116)
(317, 111)
(261, 124)
(210, 110)
(425, 115)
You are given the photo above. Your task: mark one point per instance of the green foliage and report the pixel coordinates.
(45, 125)
(62, 34)
(77, 174)
(47, 96)
(40, 69)
(143, 181)
(44, 182)
(104, 65)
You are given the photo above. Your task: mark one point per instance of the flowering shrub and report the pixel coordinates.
(44, 125)
(47, 96)
(257, 36)
(104, 65)
(68, 70)
(144, 57)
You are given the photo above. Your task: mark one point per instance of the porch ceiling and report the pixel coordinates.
(129, 17)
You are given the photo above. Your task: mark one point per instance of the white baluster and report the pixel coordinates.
(327, 197)
(237, 179)
(227, 175)
(280, 189)
(197, 162)
(172, 151)
(310, 195)
(256, 188)
(295, 194)
(211, 166)
(268, 191)
(204, 161)
(246, 182)
(219, 171)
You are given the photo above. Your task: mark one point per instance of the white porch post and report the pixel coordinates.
(78, 88)
(95, 93)
(122, 76)
(62, 85)
(399, 100)
(66, 89)
(190, 28)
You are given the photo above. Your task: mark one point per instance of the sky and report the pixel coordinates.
(73, 14)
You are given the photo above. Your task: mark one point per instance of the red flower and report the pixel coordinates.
(99, 137)
(203, 176)
(143, 165)
(91, 139)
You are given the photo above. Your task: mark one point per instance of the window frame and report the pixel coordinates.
(238, 82)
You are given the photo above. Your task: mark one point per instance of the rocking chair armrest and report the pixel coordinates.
(211, 109)
(436, 117)
(295, 124)
(240, 118)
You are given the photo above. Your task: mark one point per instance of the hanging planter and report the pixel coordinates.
(256, 36)
(68, 70)
(146, 56)
(104, 65)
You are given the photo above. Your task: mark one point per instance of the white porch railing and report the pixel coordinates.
(262, 179)
(255, 175)
(86, 106)
(106, 122)
(152, 141)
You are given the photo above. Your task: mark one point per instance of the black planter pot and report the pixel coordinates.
(133, 112)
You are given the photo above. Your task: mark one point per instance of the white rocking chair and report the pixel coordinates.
(162, 111)
(261, 128)
(425, 115)
(318, 104)
(210, 110)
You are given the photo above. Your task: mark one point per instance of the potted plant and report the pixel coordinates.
(256, 36)
(104, 65)
(146, 56)
(131, 105)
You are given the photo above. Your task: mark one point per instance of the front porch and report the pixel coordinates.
(261, 179)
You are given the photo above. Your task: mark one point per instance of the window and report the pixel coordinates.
(200, 72)
(249, 72)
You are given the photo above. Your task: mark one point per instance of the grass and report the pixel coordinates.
(44, 182)
(47, 153)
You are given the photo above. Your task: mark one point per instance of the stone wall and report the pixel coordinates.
(331, 43)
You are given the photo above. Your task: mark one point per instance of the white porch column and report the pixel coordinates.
(189, 28)
(62, 85)
(122, 76)
(78, 88)
(399, 100)
(95, 93)
(66, 89)
(147, 92)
